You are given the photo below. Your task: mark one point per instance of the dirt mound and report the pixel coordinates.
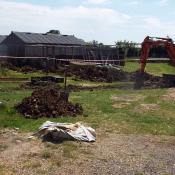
(8, 66)
(151, 81)
(146, 77)
(24, 69)
(100, 74)
(104, 74)
(93, 73)
(48, 103)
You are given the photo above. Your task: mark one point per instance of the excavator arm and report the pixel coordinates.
(147, 44)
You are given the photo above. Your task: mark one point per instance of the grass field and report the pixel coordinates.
(153, 68)
(119, 111)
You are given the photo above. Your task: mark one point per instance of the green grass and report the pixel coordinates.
(4, 72)
(98, 108)
(153, 68)
(9, 86)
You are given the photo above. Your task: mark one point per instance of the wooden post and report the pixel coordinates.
(65, 77)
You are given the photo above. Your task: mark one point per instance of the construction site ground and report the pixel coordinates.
(135, 130)
(133, 154)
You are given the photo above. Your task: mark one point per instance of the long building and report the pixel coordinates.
(50, 45)
(23, 44)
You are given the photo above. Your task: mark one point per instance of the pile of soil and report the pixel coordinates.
(104, 74)
(24, 69)
(150, 81)
(146, 76)
(48, 103)
(93, 73)
(100, 74)
(8, 66)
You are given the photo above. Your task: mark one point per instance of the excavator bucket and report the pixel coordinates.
(139, 80)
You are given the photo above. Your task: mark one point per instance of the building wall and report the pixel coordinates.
(34, 51)
(76, 52)
(15, 47)
(53, 51)
(3, 50)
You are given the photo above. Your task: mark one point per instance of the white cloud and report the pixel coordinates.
(133, 3)
(102, 24)
(88, 23)
(164, 2)
(152, 22)
(97, 1)
(154, 26)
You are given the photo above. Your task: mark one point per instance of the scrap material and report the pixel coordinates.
(68, 131)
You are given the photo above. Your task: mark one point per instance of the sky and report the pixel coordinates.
(106, 21)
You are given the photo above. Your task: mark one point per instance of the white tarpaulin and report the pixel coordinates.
(69, 131)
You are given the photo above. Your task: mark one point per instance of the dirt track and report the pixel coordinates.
(114, 154)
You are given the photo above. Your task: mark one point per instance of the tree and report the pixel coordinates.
(93, 42)
(125, 46)
(57, 32)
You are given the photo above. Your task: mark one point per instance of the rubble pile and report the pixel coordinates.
(48, 103)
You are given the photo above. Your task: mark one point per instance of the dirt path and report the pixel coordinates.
(114, 154)
(135, 154)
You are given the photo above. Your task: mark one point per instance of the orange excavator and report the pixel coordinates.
(147, 44)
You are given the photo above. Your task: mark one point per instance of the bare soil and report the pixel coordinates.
(110, 154)
(123, 101)
(170, 95)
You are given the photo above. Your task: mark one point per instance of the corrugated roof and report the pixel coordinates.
(2, 38)
(39, 38)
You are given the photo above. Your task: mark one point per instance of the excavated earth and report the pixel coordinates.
(149, 82)
(48, 103)
(99, 74)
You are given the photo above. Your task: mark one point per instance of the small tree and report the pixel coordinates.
(93, 42)
(125, 46)
(57, 32)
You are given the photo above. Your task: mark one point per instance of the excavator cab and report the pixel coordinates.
(147, 44)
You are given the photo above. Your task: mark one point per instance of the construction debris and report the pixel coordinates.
(48, 103)
(66, 131)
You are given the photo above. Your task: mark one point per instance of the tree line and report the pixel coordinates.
(132, 49)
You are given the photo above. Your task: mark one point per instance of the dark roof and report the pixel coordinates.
(39, 38)
(2, 38)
